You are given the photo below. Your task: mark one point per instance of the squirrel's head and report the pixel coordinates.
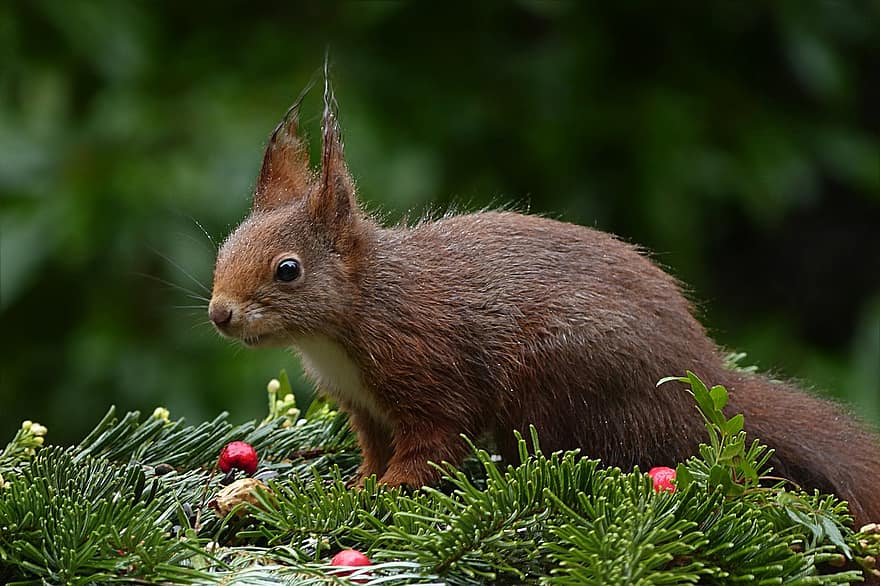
(288, 270)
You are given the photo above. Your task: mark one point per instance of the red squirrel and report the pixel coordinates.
(490, 322)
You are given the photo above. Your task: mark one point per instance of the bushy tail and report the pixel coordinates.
(818, 444)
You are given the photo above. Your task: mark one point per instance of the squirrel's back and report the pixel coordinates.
(526, 320)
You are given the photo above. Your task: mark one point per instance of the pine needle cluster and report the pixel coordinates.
(128, 504)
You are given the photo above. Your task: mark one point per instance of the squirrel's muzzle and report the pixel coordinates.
(220, 313)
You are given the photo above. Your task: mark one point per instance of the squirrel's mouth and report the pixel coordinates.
(261, 340)
(251, 332)
(253, 340)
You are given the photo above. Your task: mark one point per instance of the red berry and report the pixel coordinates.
(663, 477)
(350, 557)
(238, 455)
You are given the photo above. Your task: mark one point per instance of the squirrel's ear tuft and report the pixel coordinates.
(285, 175)
(333, 202)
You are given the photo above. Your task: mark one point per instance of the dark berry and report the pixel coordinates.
(163, 469)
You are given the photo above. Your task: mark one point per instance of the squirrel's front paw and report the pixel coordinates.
(360, 477)
(393, 482)
(414, 478)
(356, 481)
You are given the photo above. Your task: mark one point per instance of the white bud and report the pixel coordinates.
(38, 430)
(26, 424)
(289, 398)
(273, 386)
(161, 413)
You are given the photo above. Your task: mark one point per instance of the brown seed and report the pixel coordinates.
(240, 491)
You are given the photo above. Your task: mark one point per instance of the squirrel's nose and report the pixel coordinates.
(220, 313)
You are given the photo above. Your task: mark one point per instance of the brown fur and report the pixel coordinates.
(493, 321)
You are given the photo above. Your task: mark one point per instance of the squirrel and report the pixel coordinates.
(492, 321)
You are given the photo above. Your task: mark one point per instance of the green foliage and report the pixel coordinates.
(72, 519)
(725, 462)
(109, 510)
(29, 437)
(730, 466)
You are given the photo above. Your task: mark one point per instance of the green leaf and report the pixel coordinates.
(719, 397)
(683, 477)
(731, 451)
(669, 379)
(719, 476)
(832, 532)
(285, 388)
(735, 424)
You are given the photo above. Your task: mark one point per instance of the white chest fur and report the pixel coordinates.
(330, 366)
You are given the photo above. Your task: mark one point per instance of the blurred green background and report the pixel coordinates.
(738, 141)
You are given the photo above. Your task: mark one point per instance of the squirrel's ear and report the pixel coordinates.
(285, 175)
(333, 202)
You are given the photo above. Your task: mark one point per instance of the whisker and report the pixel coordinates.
(189, 293)
(205, 232)
(183, 270)
(191, 314)
(199, 298)
(191, 237)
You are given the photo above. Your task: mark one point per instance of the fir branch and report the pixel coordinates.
(121, 507)
(77, 521)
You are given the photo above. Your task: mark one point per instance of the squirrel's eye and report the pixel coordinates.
(287, 270)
